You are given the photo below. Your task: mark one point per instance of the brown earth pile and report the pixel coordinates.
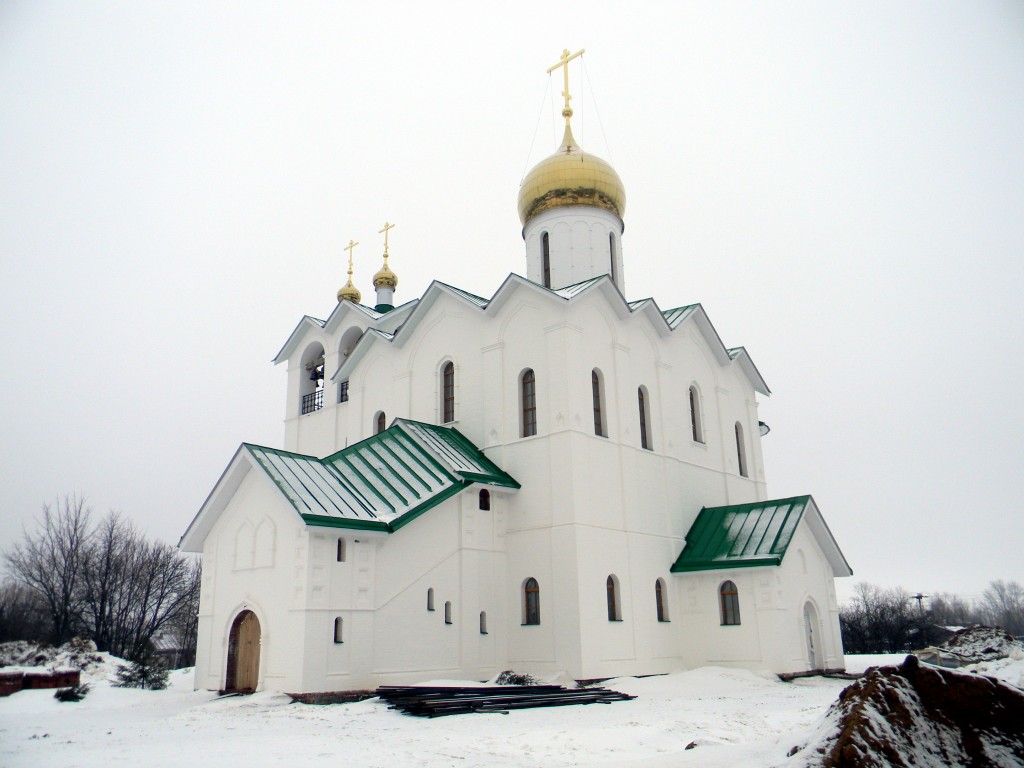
(919, 715)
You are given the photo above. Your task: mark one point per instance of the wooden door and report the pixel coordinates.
(243, 653)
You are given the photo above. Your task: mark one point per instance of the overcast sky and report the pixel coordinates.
(840, 185)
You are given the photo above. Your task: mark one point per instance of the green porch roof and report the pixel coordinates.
(741, 536)
(383, 482)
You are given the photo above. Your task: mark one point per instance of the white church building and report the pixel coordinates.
(550, 479)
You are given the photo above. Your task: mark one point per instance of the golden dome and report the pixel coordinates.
(571, 177)
(385, 277)
(349, 292)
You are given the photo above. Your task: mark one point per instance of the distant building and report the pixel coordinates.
(550, 479)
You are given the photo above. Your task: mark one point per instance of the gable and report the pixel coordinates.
(378, 484)
(663, 322)
(753, 535)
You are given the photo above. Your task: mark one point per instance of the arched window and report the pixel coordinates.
(730, 600)
(483, 622)
(448, 393)
(341, 550)
(379, 423)
(597, 387)
(614, 607)
(528, 403)
(448, 612)
(645, 417)
(531, 601)
(338, 630)
(348, 342)
(660, 600)
(311, 379)
(696, 427)
(741, 450)
(611, 258)
(430, 598)
(485, 499)
(545, 259)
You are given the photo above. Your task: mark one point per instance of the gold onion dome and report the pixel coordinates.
(571, 177)
(385, 277)
(350, 293)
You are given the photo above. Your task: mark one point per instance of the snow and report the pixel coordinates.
(735, 717)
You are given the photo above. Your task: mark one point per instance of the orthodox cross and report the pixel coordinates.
(385, 233)
(351, 244)
(564, 64)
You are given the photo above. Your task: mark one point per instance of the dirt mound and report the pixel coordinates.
(981, 644)
(919, 715)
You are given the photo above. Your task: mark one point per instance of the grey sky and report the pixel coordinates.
(841, 186)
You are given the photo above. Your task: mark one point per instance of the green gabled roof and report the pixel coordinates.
(383, 482)
(741, 536)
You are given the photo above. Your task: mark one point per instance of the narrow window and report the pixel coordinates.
(645, 417)
(611, 258)
(741, 450)
(659, 599)
(379, 424)
(338, 630)
(545, 259)
(483, 622)
(485, 499)
(448, 393)
(730, 600)
(531, 601)
(595, 385)
(448, 612)
(528, 399)
(696, 428)
(614, 609)
(341, 550)
(430, 599)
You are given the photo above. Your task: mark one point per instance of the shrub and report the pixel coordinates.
(72, 694)
(147, 672)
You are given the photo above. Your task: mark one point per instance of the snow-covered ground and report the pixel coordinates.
(734, 717)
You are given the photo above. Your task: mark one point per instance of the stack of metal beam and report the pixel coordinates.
(425, 701)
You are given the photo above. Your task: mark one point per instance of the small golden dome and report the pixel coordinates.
(385, 278)
(350, 292)
(571, 177)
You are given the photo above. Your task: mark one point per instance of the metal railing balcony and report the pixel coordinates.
(314, 401)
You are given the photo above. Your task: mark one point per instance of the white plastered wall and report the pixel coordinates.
(245, 571)
(590, 506)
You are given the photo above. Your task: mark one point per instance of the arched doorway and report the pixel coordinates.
(243, 653)
(811, 637)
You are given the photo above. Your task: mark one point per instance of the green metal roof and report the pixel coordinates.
(676, 316)
(741, 536)
(383, 482)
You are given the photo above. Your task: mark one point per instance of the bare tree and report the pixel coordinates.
(185, 623)
(134, 588)
(948, 610)
(23, 615)
(880, 620)
(105, 580)
(1003, 603)
(50, 563)
(106, 573)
